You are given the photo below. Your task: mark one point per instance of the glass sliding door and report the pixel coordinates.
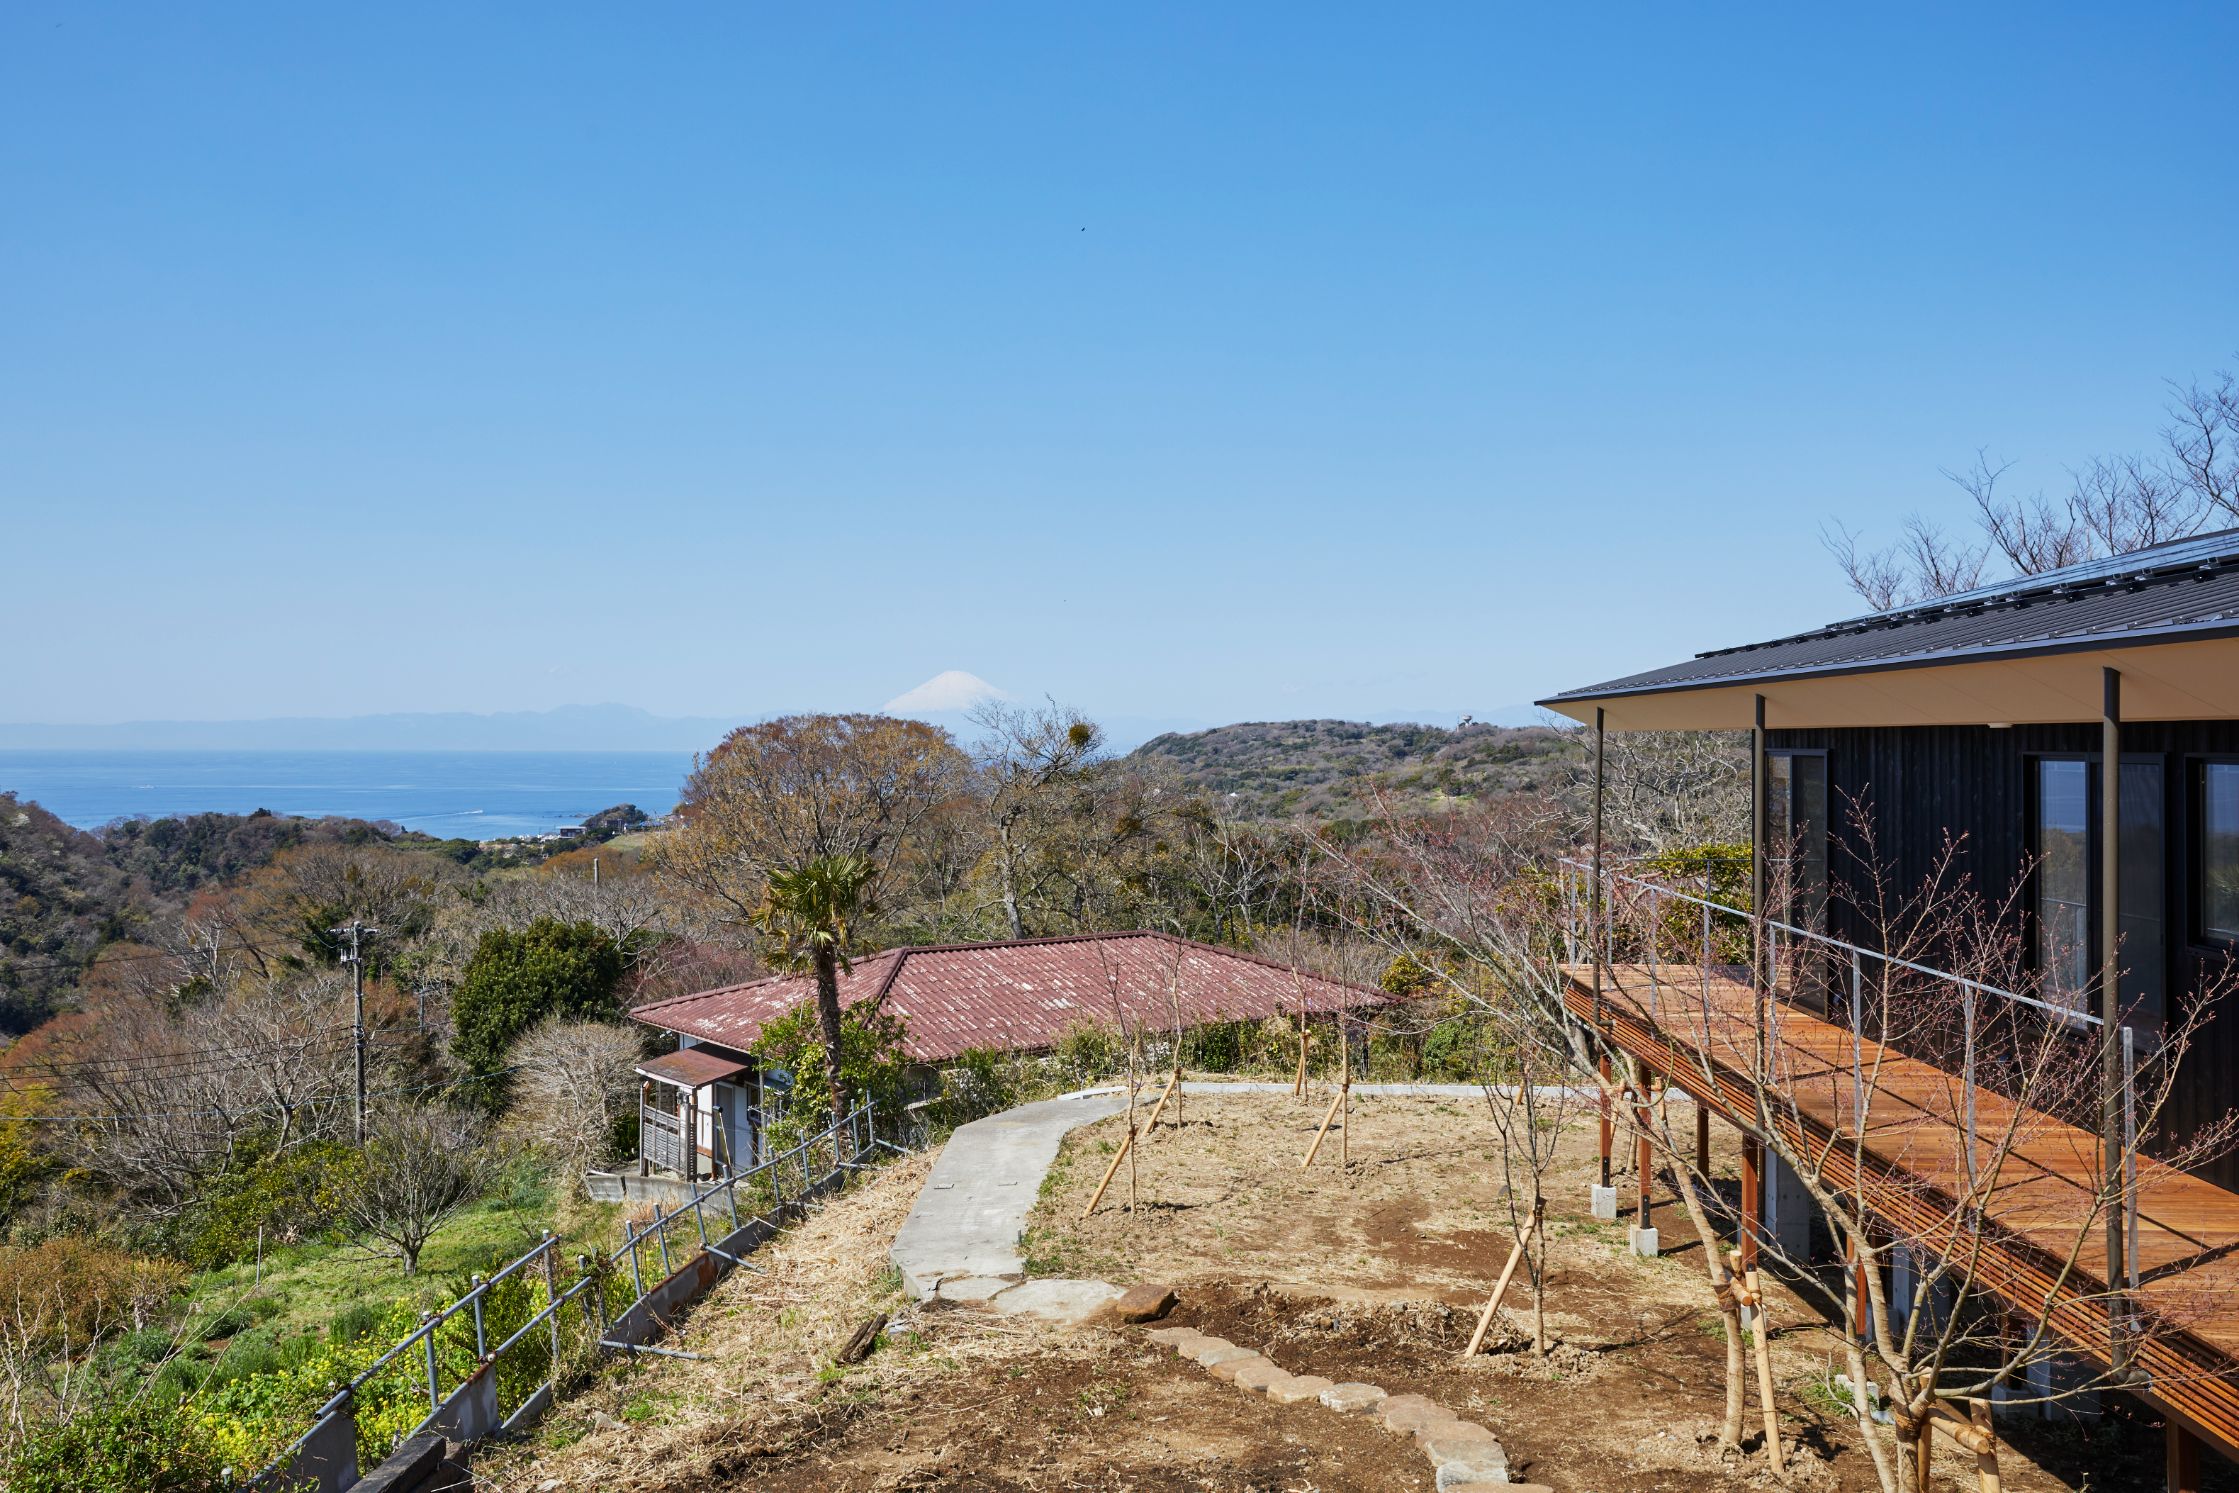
(2066, 840)
(1796, 867)
(2063, 896)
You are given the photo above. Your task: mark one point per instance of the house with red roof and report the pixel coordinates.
(701, 1105)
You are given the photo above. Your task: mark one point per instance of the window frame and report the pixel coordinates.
(2197, 936)
(2077, 1014)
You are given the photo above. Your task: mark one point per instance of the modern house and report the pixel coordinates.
(1022, 995)
(2073, 736)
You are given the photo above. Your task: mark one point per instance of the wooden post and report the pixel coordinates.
(1594, 945)
(1328, 1117)
(1752, 1198)
(1608, 1130)
(644, 1102)
(691, 1136)
(2181, 1451)
(1500, 1287)
(1757, 846)
(1644, 1161)
(2110, 1009)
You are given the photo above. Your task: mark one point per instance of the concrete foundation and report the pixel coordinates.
(1787, 1214)
(1645, 1243)
(1603, 1203)
(2059, 1374)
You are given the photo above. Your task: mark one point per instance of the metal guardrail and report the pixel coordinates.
(324, 1457)
(1578, 931)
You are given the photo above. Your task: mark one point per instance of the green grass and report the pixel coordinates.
(304, 1287)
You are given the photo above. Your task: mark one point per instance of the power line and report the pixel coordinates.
(219, 1057)
(252, 1109)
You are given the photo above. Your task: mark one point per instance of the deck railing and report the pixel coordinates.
(468, 1402)
(1781, 942)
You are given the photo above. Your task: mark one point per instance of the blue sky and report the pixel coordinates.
(1217, 362)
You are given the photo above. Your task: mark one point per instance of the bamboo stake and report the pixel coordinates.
(1164, 1095)
(1986, 1453)
(1761, 1331)
(1500, 1287)
(1973, 1431)
(1110, 1172)
(1327, 1118)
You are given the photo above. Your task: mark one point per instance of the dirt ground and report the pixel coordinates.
(1373, 1272)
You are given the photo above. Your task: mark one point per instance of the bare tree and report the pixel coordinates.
(1924, 562)
(2114, 505)
(1531, 1109)
(572, 1082)
(1470, 892)
(1665, 790)
(1031, 767)
(422, 1164)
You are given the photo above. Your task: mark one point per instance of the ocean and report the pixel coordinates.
(466, 795)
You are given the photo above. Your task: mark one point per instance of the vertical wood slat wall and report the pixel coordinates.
(1915, 783)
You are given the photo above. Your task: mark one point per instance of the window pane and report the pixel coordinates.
(2219, 850)
(2064, 878)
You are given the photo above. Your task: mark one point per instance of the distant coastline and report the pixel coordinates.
(463, 794)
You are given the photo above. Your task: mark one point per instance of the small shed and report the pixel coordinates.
(699, 1114)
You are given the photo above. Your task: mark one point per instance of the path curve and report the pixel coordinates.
(965, 1226)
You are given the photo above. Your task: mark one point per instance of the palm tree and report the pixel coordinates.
(812, 913)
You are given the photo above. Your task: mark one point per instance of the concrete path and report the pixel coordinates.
(967, 1221)
(966, 1224)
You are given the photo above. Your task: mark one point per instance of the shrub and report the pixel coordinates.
(131, 1446)
(280, 1201)
(69, 1293)
(1086, 1053)
(871, 1064)
(982, 1081)
(518, 978)
(574, 1088)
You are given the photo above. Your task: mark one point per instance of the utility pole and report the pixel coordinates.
(354, 957)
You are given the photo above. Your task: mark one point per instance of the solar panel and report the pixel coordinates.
(2198, 549)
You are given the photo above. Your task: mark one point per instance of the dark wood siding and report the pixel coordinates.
(1897, 795)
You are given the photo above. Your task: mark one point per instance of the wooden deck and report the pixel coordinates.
(1915, 1163)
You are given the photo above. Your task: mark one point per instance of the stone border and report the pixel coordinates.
(1462, 1453)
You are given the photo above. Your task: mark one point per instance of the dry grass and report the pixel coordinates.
(765, 1381)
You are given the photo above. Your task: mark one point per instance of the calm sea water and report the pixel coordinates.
(470, 795)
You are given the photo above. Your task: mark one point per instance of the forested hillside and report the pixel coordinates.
(1321, 769)
(60, 898)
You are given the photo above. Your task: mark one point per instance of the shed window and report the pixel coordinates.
(2216, 848)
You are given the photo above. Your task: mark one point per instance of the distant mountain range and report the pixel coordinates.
(1322, 769)
(569, 728)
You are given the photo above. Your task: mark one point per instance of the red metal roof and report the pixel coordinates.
(1024, 994)
(693, 1068)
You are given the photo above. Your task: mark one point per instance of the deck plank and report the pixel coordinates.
(1914, 1148)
